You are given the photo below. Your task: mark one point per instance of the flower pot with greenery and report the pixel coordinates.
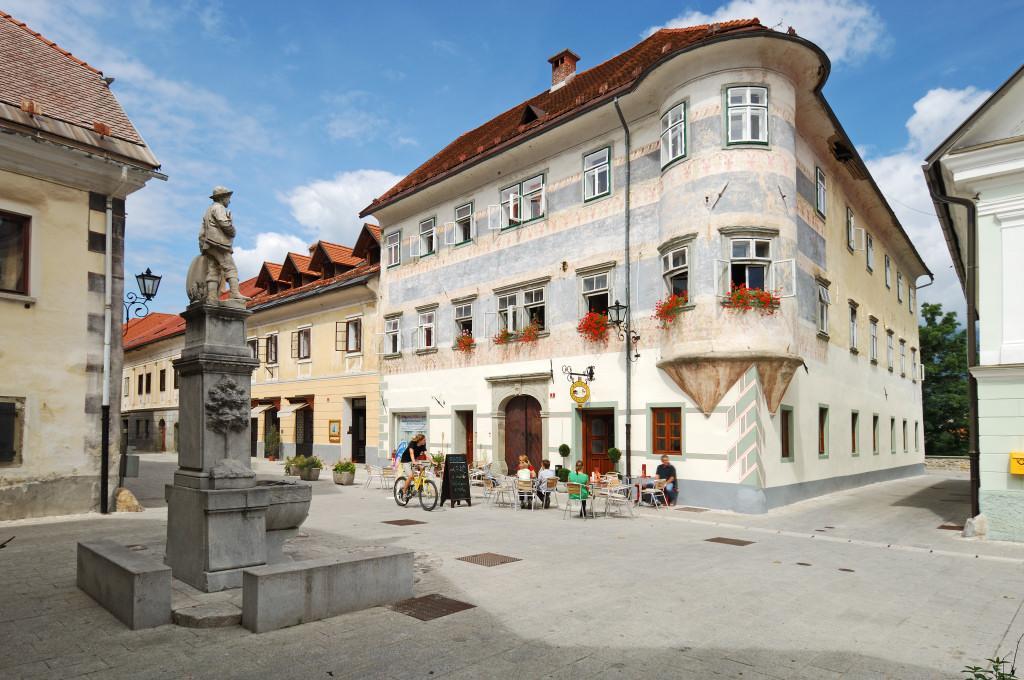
(309, 468)
(668, 309)
(504, 337)
(344, 472)
(563, 474)
(272, 443)
(290, 468)
(465, 342)
(531, 333)
(437, 460)
(613, 457)
(593, 327)
(743, 299)
(563, 451)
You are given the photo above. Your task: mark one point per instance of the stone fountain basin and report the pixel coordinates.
(289, 503)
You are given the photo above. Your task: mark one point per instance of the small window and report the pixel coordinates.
(272, 349)
(903, 358)
(888, 273)
(889, 358)
(12, 415)
(676, 270)
(464, 319)
(892, 435)
(428, 234)
(174, 380)
(464, 223)
(851, 241)
(823, 430)
(853, 326)
(869, 248)
(749, 262)
(127, 388)
(301, 343)
(533, 307)
(163, 379)
(507, 316)
(917, 438)
(874, 434)
(667, 431)
(254, 348)
(149, 383)
(821, 195)
(823, 303)
(523, 202)
(855, 433)
(786, 432)
(911, 300)
(747, 115)
(14, 253)
(426, 330)
(142, 383)
(392, 335)
(905, 449)
(673, 134)
(595, 293)
(913, 364)
(899, 287)
(393, 248)
(354, 335)
(874, 339)
(597, 174)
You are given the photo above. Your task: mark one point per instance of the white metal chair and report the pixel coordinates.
(505, 491)
(372, 473)
(525, 493)
(550, 489)
(576, 490)
(618, 497)
(656, 494)
(387, 478)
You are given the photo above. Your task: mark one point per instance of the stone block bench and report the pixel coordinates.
(135, 588)
(282, 595)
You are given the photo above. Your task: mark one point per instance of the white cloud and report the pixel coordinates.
(330, 208)
(936, 114)
(848, 30)
(270, 247)
(354, 117)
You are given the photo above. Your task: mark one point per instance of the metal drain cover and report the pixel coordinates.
(430, 607)
(952, 527)
(489, 559)
(403, 522)
(728, 541)
(688, 508)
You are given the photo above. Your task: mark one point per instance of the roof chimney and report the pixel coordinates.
(563, 68)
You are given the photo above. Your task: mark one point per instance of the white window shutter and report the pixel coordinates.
(414, 246)
(920, 372)
(544, 198)
(858, 238)
(450, 238)
(784, 278)
(493, 217)
(721, 278)
(382, 343)
(472, 226)
(514, 208)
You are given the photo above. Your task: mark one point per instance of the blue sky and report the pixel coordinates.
(310, 109)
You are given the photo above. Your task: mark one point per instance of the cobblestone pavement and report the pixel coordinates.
(878, 592)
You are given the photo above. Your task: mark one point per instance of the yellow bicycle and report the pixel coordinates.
(419, 486)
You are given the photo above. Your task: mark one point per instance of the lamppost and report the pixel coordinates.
(137, 304)
(618, 315)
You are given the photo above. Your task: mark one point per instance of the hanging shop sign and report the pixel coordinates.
(579, 392)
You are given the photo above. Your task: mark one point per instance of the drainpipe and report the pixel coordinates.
(108, 289)
(629, 302)
(970, 274)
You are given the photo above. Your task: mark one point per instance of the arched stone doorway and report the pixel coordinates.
(523, 431)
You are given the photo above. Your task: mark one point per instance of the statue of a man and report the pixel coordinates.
(216, 239)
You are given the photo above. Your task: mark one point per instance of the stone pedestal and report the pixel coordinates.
(216, 515)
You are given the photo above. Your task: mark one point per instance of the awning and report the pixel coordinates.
(289, 409)
(258, 409)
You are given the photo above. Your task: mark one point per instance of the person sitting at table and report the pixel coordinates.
(667, 472)
(543, 476)
(525, 472)
(580, 477)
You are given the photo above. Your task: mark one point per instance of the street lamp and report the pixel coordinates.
(618, 316)
(136, 304)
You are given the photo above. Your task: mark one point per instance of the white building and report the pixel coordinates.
(976, 178)
(700, 159)
(149, 391)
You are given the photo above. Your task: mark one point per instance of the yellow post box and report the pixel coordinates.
(1017, 462)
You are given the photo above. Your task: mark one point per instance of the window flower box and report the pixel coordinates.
(743, 299)
(465, 343)
(530, 334)
(667, 310)
(504, 337)
(593, 327)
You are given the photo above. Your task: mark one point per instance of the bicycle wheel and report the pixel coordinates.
(399, 492)
(428, 495)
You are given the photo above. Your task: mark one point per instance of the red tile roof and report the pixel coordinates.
(150, 328)
(368, 239)
(364, 269)
(585, 89)
(65, 87)
(248, 288)
(340, 254)
(299, 262)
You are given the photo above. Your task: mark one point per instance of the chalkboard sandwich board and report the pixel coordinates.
(455, 482)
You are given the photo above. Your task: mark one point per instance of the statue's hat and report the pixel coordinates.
(220, 191)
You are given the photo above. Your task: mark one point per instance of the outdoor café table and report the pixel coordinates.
(601, 489)
(638, 482)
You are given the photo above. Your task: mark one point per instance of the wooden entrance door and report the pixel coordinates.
(358, 430)
(598, 437)
(304, 431)
(522, 431)
(466, 421)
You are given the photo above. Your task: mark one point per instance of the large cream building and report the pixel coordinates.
(68, 159)
(698, 161)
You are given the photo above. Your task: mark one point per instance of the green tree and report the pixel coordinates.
(944, 356)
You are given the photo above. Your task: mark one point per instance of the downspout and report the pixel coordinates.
(629, 314)
(108, 289)
(971, 287)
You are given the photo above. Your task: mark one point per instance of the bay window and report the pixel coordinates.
(749, 262)
(673, 134)
(597, 174)
(747, 115)
(676, 270)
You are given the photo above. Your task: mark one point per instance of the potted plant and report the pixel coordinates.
(465, 343)
(437, 459)
(309, 468)
(563, 451)
(668, 309)
(290, 468)
(563, 474)
(613, 456)
(344, 472)
(531, 333)
(743, 299)
(504, 337)
(272, 443)
(593, 327)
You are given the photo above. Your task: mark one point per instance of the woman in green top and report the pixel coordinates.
(580, 477)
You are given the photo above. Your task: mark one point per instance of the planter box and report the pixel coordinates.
(344, 478)
(309, 474)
